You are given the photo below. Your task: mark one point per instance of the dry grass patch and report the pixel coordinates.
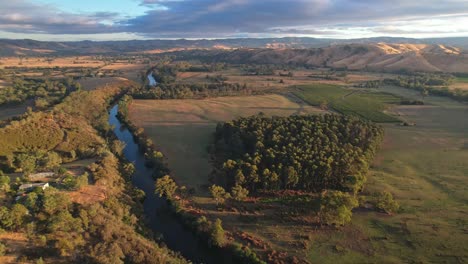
(16, 244)
(94, 83)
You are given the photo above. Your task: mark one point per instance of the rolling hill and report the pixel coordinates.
(383, 54)
(377, 56)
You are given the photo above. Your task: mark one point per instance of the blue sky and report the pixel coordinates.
(147, 19)
(130, 8)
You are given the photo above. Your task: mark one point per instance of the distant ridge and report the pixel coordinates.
(380, 54)
(15, 47)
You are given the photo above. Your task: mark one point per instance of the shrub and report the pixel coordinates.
(239, 193)
(217, 236)
(384, 201)
(219, 194)
(3, 249)
(336, 207)
(165, 186)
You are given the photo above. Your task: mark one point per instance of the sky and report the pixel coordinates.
(68, 20)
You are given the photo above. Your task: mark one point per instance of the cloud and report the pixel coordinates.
(21, 16)
(214, 18)
(233, 18)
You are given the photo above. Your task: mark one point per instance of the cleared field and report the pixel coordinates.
(275, 81)
(182, 128)
(424, 166)
(369, 105)
(93, 83)
(32, 62)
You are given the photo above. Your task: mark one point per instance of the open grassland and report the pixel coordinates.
(460, 83)
(97, 82)
(424, 166)
(182, 128)
(33, 62)
(365, 104)
(275, 81)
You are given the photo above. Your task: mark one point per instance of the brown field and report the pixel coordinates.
(33, 62)
(95, 82)
(268, 82)
(182, 128)
(16, 244)
(459, 85)
(70, 66)
(88, 195)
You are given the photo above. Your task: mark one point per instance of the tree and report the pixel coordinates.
(26, 162)
(118, 147)
(52, 160)
(18, 215)
(53, 201)
(217, 235)
(239, 193)
(335, 207)
(165, 186)
(385, 202)
(4, 182)
(219, 194)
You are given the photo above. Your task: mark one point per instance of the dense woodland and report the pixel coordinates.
(310, 153)
(43, 91)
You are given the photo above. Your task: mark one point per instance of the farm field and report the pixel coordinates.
(460, 83)
(360, 102)
(275, 81)
(182, 128)
(424, 166)
(97, 82)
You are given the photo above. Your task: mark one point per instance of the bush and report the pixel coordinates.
(384, 201)
(3, 249)
(165, 186)
(219, 194)
(217, 236)
(336, 207)
(239, 193)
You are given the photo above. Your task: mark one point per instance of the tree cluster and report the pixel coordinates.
(299, 152)
(43, 91)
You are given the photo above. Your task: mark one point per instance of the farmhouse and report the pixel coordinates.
(29, 186)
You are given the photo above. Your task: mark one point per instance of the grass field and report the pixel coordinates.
(89, 84)
(460, 83)
(462, 79)
(369, 105)
(426, 168)
(182, 128)
(266, 82)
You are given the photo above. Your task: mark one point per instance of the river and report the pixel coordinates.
(175, 235)
(151, 80)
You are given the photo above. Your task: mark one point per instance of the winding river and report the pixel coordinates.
(161, 221)
(151, 80)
